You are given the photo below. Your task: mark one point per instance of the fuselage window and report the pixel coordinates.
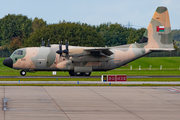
(19, 52)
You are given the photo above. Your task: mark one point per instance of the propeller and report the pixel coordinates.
(66, 50)
(60, 49)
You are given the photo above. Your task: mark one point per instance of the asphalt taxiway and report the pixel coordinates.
(91, 82)
(89, 103)
(57, 80)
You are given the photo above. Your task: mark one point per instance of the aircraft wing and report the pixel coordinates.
(99, 51)
(93, 55)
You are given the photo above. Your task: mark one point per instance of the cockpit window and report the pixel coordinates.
(19, 52)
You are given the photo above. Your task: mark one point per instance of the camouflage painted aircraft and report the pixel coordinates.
(81, 61)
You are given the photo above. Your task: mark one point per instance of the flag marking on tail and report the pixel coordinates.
(160, 28)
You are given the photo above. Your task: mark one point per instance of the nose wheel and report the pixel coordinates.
(23, 72)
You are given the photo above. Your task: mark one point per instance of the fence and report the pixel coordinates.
(154, 54)
(5, 53)
(175, 53)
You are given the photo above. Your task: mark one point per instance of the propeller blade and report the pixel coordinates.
(42, 42)
(60, 49)
(49, 43)
(60, 46)
(67, 46)
(66, 50)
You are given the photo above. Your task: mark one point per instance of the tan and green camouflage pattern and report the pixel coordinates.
(88, 59)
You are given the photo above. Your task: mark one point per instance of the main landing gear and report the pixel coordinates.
(23, 72)
(72, 73)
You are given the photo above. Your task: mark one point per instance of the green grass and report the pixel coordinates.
(139, 72)
(145, 62)
(88, 79)
(11, 72)
(50, 79)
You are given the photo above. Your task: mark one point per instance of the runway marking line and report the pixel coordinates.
(173, 89)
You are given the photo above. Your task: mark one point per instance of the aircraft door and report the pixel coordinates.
(47, 62)
(40, 64)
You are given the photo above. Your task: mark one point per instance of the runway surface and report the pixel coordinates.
(85, 77)
(58, 81)
(89, 103)
(89, 82)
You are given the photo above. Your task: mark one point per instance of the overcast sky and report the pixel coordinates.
(93, 12)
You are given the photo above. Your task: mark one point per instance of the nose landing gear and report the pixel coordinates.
(23, 72)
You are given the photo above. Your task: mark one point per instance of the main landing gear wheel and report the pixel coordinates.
(87, 73)
(79, 74)
(71, 73)
(23, 72)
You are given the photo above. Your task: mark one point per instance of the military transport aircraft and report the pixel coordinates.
(81, 61)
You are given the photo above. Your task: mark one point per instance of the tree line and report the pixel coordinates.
(18, 31)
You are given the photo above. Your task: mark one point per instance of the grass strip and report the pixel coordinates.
(11, 72)
(155, 79)
(88, 79)
(50, 79)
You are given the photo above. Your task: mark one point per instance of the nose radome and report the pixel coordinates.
(8, 62)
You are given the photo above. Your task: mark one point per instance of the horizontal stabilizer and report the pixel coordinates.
(161, 49)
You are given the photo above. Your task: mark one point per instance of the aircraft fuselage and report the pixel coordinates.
(46, 58)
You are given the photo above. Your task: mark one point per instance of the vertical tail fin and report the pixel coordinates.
(158, 33)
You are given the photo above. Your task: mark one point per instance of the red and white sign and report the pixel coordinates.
(114, 78)
(121, 78)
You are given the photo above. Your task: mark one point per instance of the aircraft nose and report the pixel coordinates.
(8, 62)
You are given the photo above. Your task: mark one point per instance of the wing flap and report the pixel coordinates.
(100, 51)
